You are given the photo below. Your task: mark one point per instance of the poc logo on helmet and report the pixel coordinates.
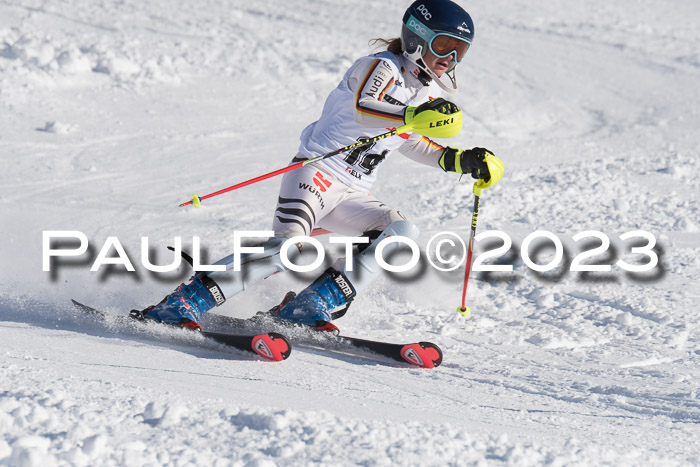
(424, 11)
(417, 27)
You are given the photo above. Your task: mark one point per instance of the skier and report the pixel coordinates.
(386, 89)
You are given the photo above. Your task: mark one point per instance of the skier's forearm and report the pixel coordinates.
(422, 150)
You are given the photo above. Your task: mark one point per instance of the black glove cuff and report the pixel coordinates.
(449, 160)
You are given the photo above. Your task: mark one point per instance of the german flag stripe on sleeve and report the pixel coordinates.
(374, 86)
(381, 95)
(431, 143)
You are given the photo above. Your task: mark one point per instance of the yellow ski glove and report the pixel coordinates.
(440, 105)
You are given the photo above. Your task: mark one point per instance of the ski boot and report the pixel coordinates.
(186, 305)
(326, 299)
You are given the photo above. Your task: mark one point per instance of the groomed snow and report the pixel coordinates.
(113, 113)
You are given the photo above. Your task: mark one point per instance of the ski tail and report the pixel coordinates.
(271, 346)
(423, 354)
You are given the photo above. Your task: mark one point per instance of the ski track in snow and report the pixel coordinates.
(113, 113)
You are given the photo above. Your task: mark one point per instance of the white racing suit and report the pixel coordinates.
(333, 194)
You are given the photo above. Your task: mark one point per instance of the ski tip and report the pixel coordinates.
(423, 354)
(272, 346)
(82, 307)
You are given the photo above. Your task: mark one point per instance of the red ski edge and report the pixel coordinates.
(271, 346)
(423, 354)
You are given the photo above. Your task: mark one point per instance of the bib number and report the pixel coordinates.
(361, 157)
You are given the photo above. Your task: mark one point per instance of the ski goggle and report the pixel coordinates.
(443, 44)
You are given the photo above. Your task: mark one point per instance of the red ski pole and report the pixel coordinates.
(196, 200)
(464, 309)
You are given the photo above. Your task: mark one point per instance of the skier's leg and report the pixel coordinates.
(375, 220)
(305, 196)
(328, 297)
(189, 302)
(365, 267)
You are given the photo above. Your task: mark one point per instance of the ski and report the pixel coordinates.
(271, 346)
(419, 354)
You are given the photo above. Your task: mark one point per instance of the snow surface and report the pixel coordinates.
(113, 113)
